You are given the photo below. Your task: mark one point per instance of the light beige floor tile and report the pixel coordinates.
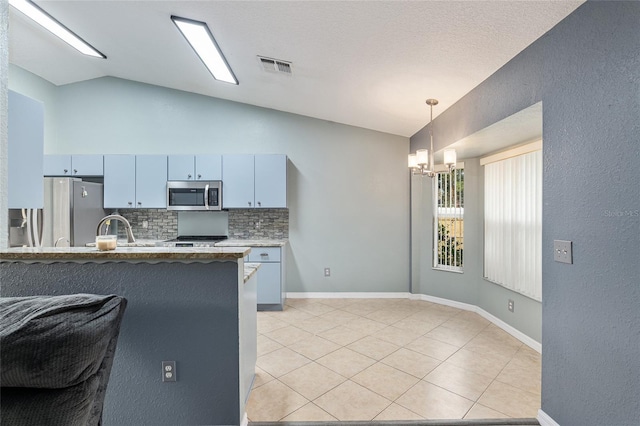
(314, 347)
(262, 377)
(489, 344)
(373, 348)
(451, 336)
(365, 325)
(459, 381)
(266, 324)
(299, 302)
(411, 362)
(472, 317)
(309, 413)
(528, 354)
(431, 315)
(385, 380)
(342, 335)
(510, 400)
(288, 335)
(417, 325)
(488, 365)
(465, 323)
(336, 303)
(479, 411)
(523, 374)
(359, 309)
(350, 401)
(433, 348)
(447, 309)
(397, 336)
(316, 325)
(433, 402)
(266, 345)
(397, 412)
(346, 362)
(273, 401)
(316, 308)
(291, 315)
(282, 361)
(388, 316)
(339, 316)
(312, 380)
(496, 333)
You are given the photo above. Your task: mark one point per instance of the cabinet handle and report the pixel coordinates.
(75, 171)
(139, 203)
(66, 171)
(249, 203)
(264, 254)
(259, 204)
(199, 176)
(130, 203)
(188, 176)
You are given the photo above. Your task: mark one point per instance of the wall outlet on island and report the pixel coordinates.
(145, 224)
(327, 272)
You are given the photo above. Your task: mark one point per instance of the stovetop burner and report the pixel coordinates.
(198, 238)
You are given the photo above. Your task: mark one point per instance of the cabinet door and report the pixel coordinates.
(151, 181)
(208, 167)
(119, 181)
(181, 167)
(26, 141)
(237, 181)
(269, 283)
(87, 165)
(271, 181)
(57, 165)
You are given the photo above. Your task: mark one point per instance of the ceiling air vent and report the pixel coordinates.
(275, 65)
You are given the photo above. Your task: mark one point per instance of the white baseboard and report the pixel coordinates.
(245, 420)
(533, 344)
(545, 420)
(352, 295)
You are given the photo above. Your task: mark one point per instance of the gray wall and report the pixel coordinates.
(186, 313)
(348, 191)
(586, 73)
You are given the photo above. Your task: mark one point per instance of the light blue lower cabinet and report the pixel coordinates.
(271, 290)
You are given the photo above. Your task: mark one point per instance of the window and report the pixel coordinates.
(448, 220)
(513, 222)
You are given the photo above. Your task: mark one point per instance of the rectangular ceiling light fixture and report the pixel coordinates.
(56, 28)
(201, 40)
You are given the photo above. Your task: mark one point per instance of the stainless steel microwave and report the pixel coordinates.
(197, 195)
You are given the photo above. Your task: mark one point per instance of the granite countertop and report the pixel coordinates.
(252, 243)
(137, 243)
(124, 253)
(249, 270)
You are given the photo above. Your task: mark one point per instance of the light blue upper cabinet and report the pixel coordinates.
(198, 167)
(26, 145)
(57, 165)
(181, 167)
(73, 165)
(237, 181)
(151, 181)
(271, 181)
(254, 181)
(208, 167)
(119, 181)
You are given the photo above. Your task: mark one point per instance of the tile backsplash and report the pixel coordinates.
(244, 224)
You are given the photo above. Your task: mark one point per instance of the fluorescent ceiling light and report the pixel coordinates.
(55, 27)
(202, 41)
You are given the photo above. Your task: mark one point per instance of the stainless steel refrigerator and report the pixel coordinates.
(72, 210)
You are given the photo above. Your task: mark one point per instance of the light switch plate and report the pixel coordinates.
(562, 251)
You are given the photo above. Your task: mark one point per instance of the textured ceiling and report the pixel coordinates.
(370, 64)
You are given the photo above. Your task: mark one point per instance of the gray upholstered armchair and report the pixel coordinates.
(56, 354)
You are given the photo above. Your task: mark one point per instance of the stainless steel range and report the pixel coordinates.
(193, 241)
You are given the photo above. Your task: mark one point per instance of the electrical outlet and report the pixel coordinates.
(145, 224)
(510, 306)
(327, 272)
(168, 371)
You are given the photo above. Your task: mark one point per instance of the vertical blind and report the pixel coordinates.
(513, 223)
(448, 220)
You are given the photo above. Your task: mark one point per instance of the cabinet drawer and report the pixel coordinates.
(264, 254)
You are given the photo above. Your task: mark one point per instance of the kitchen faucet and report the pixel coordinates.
(127, 226)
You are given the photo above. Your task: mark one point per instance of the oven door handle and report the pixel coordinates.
(206, 196)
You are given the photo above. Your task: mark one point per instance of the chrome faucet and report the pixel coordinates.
(127, 226)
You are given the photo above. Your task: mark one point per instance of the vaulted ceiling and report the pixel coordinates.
(370, 64)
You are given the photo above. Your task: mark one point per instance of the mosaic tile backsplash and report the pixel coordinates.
(244, 224)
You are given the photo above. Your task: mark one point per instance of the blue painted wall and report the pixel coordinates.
(586, 72)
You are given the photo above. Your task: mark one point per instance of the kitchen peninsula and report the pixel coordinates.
(194, 306)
